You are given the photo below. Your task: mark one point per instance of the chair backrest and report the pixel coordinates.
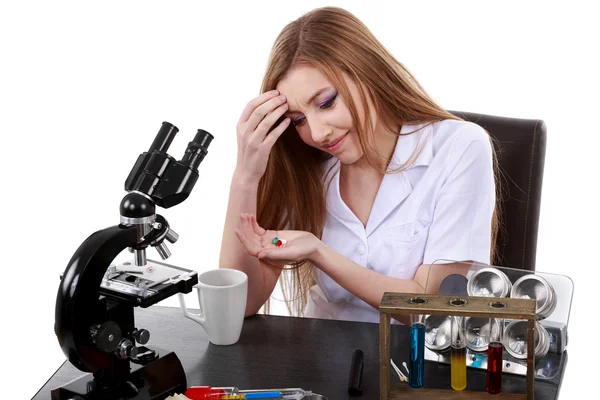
(520, 146)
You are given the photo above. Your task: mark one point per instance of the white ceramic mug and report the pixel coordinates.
(222, 297)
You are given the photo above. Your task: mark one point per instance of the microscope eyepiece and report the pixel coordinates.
(163, 138)
(160, 177)
(197, 149)
(203, 138)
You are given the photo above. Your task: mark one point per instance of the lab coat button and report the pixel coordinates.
(360, 249)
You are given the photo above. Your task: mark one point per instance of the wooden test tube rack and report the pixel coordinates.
(486, 307)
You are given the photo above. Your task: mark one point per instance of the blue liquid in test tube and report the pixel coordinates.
(417, 354)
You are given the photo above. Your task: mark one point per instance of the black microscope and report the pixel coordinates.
(94, 319)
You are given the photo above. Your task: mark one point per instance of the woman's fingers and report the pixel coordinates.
(244, 240)
(246, 228)
(271, 121)
(263, 111)
(254, 103)
(260, 116)
(257, 229)
(276, 133)
(251, 239)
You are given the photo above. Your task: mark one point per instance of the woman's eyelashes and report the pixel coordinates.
(325, 105)
(328, 103)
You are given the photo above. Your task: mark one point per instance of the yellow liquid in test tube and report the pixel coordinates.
(458, 368)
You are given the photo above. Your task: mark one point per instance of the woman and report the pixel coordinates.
(369, 182)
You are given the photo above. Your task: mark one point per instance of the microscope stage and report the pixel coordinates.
(146, 285)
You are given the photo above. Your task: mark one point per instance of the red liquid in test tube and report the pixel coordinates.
(493, 383)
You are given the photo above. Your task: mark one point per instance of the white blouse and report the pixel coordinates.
(440, 208)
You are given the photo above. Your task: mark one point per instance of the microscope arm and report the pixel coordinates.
(78, 303)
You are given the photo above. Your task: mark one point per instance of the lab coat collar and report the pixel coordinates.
(417, 145)
(394, 187)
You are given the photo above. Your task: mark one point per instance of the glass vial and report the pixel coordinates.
(416, 357)
(493, 382)
(458, 354)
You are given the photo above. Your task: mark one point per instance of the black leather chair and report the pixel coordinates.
(520, 146)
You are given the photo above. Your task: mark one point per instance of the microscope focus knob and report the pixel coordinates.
(142, 336)
(127, 349)
(107, 336)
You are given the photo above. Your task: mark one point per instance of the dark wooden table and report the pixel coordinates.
(276, 352)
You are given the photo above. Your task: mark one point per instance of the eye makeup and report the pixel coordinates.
(323, 105)
(328, 102)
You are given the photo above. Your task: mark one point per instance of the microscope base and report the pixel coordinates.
(155, 381)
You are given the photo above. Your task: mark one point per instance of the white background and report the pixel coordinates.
(85, 86)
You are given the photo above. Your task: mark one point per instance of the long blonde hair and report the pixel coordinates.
(291, 193)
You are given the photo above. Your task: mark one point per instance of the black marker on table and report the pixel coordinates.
(356, 370)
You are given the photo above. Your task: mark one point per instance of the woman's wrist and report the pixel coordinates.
(243, 180)
(319, 254)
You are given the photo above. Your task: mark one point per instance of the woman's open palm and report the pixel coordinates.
(258, 242)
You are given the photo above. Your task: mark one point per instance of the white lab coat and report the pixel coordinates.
(440, 208)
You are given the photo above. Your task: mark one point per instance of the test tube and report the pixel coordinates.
(493, 382)
(416, 355)
(458, 354)
(233, 393)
